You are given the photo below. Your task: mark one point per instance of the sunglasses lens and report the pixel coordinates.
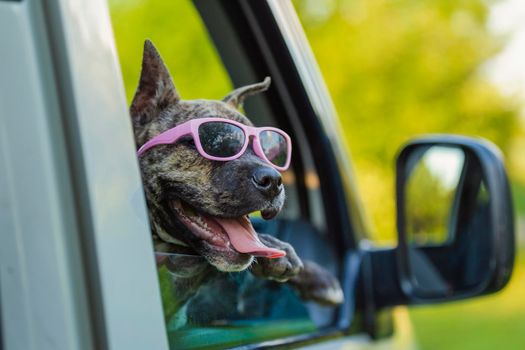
(220, 139)
(275, 147)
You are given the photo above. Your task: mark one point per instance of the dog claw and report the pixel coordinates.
(279, 269)
(311, 281)
(314, 283)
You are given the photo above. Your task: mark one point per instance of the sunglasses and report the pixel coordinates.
(223, 140)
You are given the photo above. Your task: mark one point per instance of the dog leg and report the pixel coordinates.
(279, 269)
(311, 281)
(315, 283)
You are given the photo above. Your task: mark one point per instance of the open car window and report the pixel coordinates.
(234, 308)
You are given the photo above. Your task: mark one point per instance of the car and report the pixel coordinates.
(77, 263)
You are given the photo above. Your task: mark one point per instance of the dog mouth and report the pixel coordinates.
(235, 234)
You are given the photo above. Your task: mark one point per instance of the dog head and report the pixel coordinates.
(193, 201)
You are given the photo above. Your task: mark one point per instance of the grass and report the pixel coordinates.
(518, 194)
(491, 322)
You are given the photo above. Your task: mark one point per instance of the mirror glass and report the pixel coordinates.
(430, 193)
(447, 221)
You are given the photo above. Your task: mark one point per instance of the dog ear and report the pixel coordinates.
(155, 91)
(237, 96)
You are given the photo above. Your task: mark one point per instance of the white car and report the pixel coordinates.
(77, 267)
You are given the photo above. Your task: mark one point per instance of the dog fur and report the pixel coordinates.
(177, 173)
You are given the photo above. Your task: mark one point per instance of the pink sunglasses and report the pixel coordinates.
(223, 139)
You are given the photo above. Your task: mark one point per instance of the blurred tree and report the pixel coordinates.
(396, 69)
(429, 201)
(178, 33)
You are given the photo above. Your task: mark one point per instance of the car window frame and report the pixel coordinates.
(82, 47)
(242, 32)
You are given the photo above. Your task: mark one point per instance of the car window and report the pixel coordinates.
(224, 309)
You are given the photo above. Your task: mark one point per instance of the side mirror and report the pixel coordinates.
(454, 219)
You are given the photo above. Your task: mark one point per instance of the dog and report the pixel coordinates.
(184, 190)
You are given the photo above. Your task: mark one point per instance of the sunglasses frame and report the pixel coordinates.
(191, 127)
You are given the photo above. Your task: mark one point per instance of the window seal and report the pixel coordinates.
(254, 25)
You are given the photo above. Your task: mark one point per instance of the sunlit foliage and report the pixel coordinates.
(176, 30)
(398, 69)
(395, 69)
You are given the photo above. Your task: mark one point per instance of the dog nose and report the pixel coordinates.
(268, 181)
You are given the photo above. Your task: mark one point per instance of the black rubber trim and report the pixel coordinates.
(298, 340)
(254, 26)
(261, 42)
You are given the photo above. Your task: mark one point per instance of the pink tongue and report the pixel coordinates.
(244, 238)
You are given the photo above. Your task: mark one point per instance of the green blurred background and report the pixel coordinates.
(395, 69)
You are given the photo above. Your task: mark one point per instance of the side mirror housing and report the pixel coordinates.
(455, 224)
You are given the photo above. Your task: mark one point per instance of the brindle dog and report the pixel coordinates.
(182, 187)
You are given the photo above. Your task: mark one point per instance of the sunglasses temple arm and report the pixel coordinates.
(167, 137)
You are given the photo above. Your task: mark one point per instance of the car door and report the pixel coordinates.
(78, 264)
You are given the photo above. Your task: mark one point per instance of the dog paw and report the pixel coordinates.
(314, 283)
(279, 269)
